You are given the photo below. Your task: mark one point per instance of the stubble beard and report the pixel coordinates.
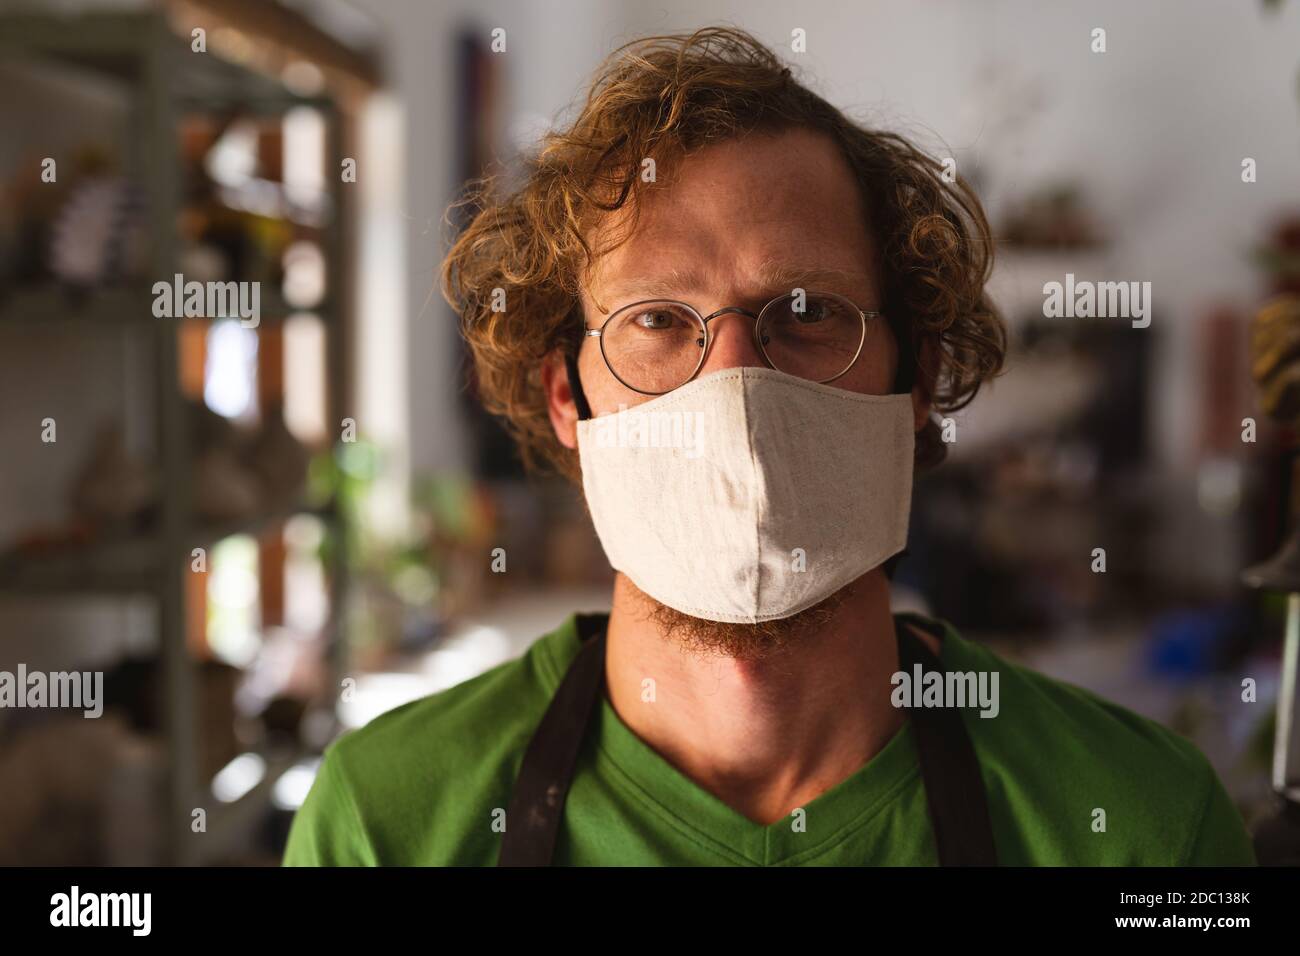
(745, 642)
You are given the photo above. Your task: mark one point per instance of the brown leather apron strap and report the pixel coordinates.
(537, 804)
(954, 789)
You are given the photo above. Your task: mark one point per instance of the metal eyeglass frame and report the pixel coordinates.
(863, 315)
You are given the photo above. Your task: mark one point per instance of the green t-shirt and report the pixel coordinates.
(428, 784)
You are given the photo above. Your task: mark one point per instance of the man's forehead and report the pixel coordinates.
(764, 261)
(765, 212)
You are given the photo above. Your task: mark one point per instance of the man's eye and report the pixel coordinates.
(813, 313)
(655, 320)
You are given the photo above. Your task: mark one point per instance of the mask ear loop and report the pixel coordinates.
(571, 370)
(904, 379)
(575, 386)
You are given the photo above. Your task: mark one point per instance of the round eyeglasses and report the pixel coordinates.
(656, 345)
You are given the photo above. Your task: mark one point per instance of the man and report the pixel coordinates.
(729, 312)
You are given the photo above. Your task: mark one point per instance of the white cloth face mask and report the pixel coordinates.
(749, 494)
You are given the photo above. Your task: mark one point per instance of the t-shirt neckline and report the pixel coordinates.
(633, 766)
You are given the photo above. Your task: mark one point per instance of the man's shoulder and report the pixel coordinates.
(1043, 706)
(1085, 765)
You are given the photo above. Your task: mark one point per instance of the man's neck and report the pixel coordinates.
(762, 736)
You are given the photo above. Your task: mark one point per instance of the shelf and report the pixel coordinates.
(115, 307)
(48, 305)
(140, 54)
(209, 534)
(108, 568)
(117, 45)
(128, 565)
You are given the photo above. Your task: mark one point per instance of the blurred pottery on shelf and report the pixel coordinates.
(113, 487)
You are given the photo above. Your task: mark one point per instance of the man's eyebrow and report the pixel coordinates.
(774, 277)
(668, 285)
(784, 277)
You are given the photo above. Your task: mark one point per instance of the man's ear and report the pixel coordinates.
(923, 389)
(560, 406)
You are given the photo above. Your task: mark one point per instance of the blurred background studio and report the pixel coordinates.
(265, 532)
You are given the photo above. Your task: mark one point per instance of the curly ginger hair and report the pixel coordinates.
(664, 97)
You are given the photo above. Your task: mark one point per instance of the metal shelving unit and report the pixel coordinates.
(166, 80)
